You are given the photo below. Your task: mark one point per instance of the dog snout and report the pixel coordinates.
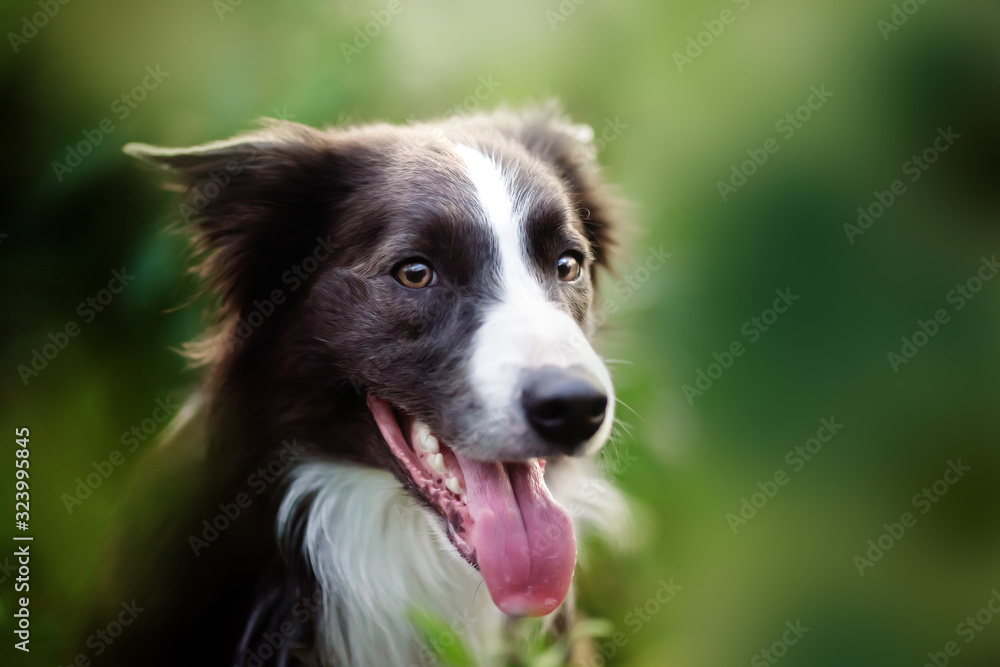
(565, 406)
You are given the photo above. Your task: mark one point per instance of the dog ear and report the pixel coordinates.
(257, 204)
(570, 149)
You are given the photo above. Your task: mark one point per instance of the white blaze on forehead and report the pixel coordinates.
(525, 329)
(504, 220)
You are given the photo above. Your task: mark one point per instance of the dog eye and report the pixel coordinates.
(414, 274)
(568, 267)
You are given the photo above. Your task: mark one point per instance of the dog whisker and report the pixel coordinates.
(629, 407)
(624, 426)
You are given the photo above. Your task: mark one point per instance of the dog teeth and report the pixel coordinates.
(430, 444)
(436, 462)
(426, 441)
(454, 486)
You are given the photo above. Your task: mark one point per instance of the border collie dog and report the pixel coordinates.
(401, 401)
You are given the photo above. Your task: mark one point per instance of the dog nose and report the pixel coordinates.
(565, 406)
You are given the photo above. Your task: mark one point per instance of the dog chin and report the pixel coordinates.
(499, 515)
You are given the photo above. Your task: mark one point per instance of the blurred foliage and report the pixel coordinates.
(677, 134)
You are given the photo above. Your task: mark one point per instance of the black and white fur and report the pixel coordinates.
(343, 547)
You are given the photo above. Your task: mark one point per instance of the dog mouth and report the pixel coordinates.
(499, 515)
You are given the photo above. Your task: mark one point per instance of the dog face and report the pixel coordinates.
(451, 280)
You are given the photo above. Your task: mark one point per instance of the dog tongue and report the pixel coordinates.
(524, 540)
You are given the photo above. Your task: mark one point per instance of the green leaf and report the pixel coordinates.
(441, 639)
(592, 627)
(554, 656)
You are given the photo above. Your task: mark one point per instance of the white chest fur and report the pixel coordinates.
(377, 554)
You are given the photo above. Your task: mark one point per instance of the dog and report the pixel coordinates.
(401, 403)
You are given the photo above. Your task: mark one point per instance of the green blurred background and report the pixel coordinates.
(678, 131)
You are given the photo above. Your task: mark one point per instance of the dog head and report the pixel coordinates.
(443, 271)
